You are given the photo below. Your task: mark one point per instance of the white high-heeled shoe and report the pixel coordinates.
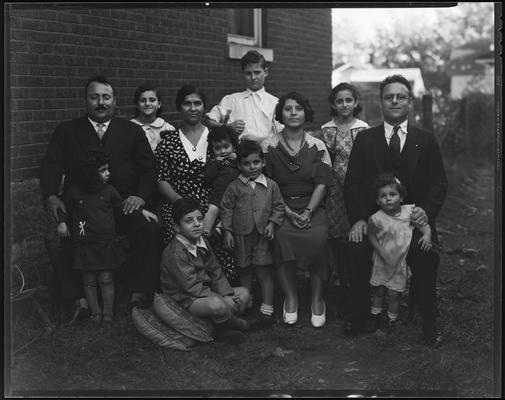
(318, 321)
(289, 318)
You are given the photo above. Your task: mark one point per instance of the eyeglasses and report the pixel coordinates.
(400, 98)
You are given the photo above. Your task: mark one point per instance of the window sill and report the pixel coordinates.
(236, 51)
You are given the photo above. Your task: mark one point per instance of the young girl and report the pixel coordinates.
(147, 100)
(251, 207)
(390, 233)
(338, 135)
(90, 205)
(220, 170)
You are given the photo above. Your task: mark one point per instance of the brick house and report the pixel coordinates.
(53, 48)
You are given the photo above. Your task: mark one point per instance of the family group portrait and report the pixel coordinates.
(252, 200)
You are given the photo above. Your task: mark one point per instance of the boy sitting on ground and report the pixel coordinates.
(192, 276)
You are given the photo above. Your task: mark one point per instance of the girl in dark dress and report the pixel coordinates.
(90, 206)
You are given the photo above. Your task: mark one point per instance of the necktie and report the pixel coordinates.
(100, 129)
(394, 142)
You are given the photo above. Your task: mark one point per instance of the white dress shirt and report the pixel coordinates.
(402, 133)
(95, 125)
(256, 109)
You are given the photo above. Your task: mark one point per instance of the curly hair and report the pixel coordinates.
(395, 79)
(146, 87)
(184, 206)
(333, 95)
(247, 147)
(387, 179)
(222, 132)
(300, 99)
(87, 178)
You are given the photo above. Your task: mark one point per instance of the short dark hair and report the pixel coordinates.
(247, 147)
(253, 57)
(145, 87)
(395, 79)
(300, 99)
(222, 132)
(184, 206)
(386, 179)
(99, 79)
(333, 95)
(186, 90)
(89, 162)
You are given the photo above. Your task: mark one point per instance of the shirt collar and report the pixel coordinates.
(259, 92)
(191, 247)
(388, 128)
(95, 124)
(260, 179)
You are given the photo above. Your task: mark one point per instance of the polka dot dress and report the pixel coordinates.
(186, 178)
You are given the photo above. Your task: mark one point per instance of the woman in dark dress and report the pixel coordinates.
(301, 166)
(181, 157)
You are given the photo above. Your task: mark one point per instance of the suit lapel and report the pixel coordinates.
(378, 146)
(413, 147)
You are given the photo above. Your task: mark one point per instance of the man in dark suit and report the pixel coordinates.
(133, 174)
(413, 155)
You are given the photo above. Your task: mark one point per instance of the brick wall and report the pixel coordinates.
(54, 48)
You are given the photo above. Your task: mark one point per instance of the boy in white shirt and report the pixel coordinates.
(251, 112)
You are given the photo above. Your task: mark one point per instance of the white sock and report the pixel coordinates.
(266, 309)
(375, 310)
(392, 317)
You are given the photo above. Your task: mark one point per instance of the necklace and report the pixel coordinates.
(290, 148)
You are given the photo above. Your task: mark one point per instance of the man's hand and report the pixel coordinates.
(358, 230)
(238, 126)
(53, 204)
(418, 216)
(132, 203)
(149, 216)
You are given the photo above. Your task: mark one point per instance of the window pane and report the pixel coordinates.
(241, 21)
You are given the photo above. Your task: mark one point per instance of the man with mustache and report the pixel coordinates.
(133, 173)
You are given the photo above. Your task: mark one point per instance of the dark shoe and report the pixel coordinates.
(229, 336)
(96, 319)
(433, 336)
(140, 302)
(236, 323)
(107, 320)
(374, 323)
(259, 321)
(353, 329)
(391, 325)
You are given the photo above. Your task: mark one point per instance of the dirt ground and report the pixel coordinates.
(298, 360)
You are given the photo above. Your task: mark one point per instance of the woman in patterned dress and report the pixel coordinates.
(301, 166)
(181, 157)
(338, 135)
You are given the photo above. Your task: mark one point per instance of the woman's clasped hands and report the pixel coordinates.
(300, 220)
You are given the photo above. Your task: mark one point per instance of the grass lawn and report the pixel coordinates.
(297, 360)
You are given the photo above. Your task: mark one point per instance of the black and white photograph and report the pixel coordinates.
(219, 199)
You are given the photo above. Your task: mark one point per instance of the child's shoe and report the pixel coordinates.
(235, 323)
(96, 319)
(107, 320)
(374, 323)
(259, 321)
(392, 325)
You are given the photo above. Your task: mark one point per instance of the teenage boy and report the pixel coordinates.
(251, 112)
(192, 276)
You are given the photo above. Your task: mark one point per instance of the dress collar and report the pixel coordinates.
(157, 123)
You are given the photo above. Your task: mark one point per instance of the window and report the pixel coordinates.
(245, 32)
(244, 26)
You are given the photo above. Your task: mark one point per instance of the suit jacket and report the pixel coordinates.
(426, 182)
(132, 164)
(243, 208)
